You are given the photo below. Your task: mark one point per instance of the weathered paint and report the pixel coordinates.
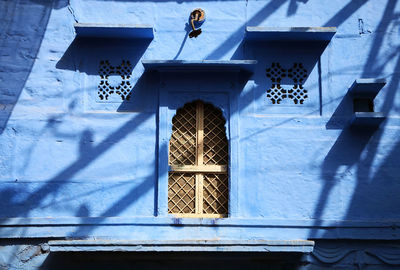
(75, 166)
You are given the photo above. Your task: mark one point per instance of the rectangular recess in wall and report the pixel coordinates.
(96, 30)
(364, 92)
(258, 33)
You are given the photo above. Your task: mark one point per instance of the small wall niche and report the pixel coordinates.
(364, 92)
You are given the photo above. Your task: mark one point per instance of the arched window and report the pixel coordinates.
(198, 159)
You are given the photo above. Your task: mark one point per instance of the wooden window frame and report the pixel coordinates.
(200, 170)
(170, 102)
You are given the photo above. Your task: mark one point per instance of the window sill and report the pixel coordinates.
(299, 246)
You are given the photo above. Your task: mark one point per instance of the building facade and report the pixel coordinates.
(175, 134)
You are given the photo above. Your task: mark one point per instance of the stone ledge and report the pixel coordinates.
(299, 246)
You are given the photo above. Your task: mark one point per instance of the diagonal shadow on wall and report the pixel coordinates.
(20, 46)
(357, 150)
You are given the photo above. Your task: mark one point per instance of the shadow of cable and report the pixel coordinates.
(18, 62)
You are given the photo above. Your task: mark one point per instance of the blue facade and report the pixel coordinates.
(86, 117)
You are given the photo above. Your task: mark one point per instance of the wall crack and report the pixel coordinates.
(71, 10)
(361, 29)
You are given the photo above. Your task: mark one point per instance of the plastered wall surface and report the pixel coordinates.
(75, 165)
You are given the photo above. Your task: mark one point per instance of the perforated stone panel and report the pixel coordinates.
(121, 86)
(297, 73)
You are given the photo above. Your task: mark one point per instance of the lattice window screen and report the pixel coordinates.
(198, 158)
(182, 146)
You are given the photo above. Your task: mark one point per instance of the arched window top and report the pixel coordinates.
(198, 157)
(182, 145)
(198, 126)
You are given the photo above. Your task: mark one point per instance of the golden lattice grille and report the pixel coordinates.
(182, 146)
(198, 159)
(215, 193)
(181, 193)
(215, 142)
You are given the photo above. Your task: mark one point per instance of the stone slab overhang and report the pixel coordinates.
(200, 65)
(297, 246)
(366, 88)
(367, 119)
(258, 33)
(123, 31)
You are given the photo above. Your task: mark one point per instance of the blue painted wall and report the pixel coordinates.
(297, 171)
